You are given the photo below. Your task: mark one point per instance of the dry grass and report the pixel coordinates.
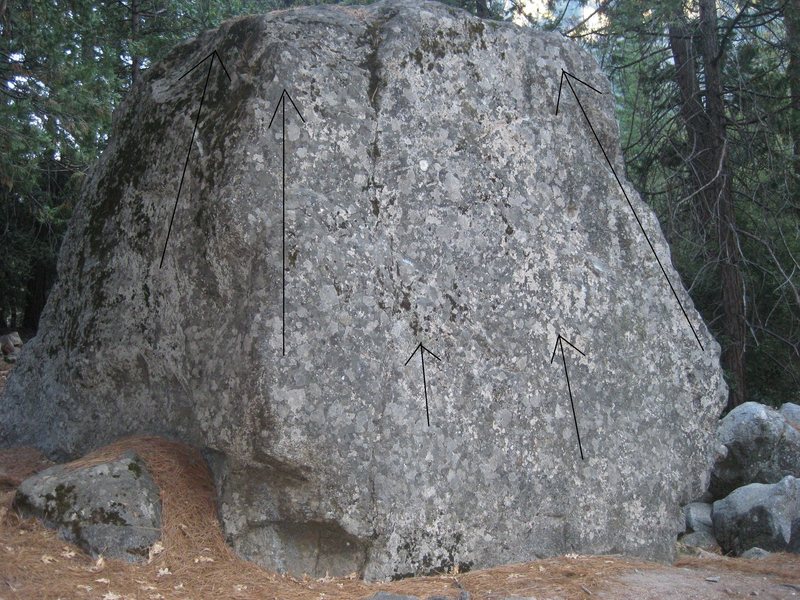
(193, 560)
(784, 568)
(17, 464)
(570, 576)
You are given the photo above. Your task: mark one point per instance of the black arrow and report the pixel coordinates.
(212, 56)
(422, 350)
(566, 77)
(560, 344)
(282, 105)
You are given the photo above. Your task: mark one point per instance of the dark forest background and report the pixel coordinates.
(708, 98)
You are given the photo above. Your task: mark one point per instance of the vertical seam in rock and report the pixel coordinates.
(374, 67)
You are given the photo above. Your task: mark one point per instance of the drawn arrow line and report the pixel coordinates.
(422, 350)
(282, 104)
(566, 76)
(212, 56)
(560, 344)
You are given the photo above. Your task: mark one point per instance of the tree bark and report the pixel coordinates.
(791, 19)
(706, 132)
(136, 61)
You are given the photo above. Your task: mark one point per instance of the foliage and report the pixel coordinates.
(633, 44)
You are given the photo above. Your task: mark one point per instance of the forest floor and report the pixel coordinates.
(193, 561)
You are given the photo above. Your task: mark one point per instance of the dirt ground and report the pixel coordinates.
(193, 561)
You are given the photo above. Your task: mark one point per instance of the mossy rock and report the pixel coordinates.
(112, 508)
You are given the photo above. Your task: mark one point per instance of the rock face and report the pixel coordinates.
(760, 515)
(432, 195)
(698, 517)
(112, 508)
(760, 446)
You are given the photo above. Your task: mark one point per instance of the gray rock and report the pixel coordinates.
(760, 515)
(698, 517)
(112, 508)
(12, 339)
(10, 346)
(389, 596)
(791, 412)
(432, 196)
(755, 554)
(760, 447)
(700, 539)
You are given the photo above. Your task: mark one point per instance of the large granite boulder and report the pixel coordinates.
(111, 508)
(758, 445)
(760, 515)
(432, 196)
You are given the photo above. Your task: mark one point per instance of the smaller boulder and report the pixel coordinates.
(760, 447)
(703, 540)
(12, 339)
(759, 515)
(791, 412)
(698, 517)
(111, 508)
(755, 554)
(10, 345)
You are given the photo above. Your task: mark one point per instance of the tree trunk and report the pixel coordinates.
(706, 132)
(136, 61)
(791, 18)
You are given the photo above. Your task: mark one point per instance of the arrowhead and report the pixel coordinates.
(560, 343)
(212, 55)
(282, 99)
(567, 76)
(221, 64)
(421, 348)
(413, 353)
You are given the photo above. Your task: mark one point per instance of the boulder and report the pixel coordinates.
(760, 515)
(704, 540)
(10, 346)
(755, 553)
(760, 446)
(698, 517)
(12, 339)
(791, 412)
(110, 508)
(432, 196)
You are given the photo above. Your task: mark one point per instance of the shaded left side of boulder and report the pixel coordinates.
(110, 508)
(760, 515)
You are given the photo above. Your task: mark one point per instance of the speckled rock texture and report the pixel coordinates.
(757, 445)
(760, 515)
(111, 508)
(432, 196)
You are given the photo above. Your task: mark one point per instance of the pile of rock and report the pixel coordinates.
(753, 500)
(10, 346)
